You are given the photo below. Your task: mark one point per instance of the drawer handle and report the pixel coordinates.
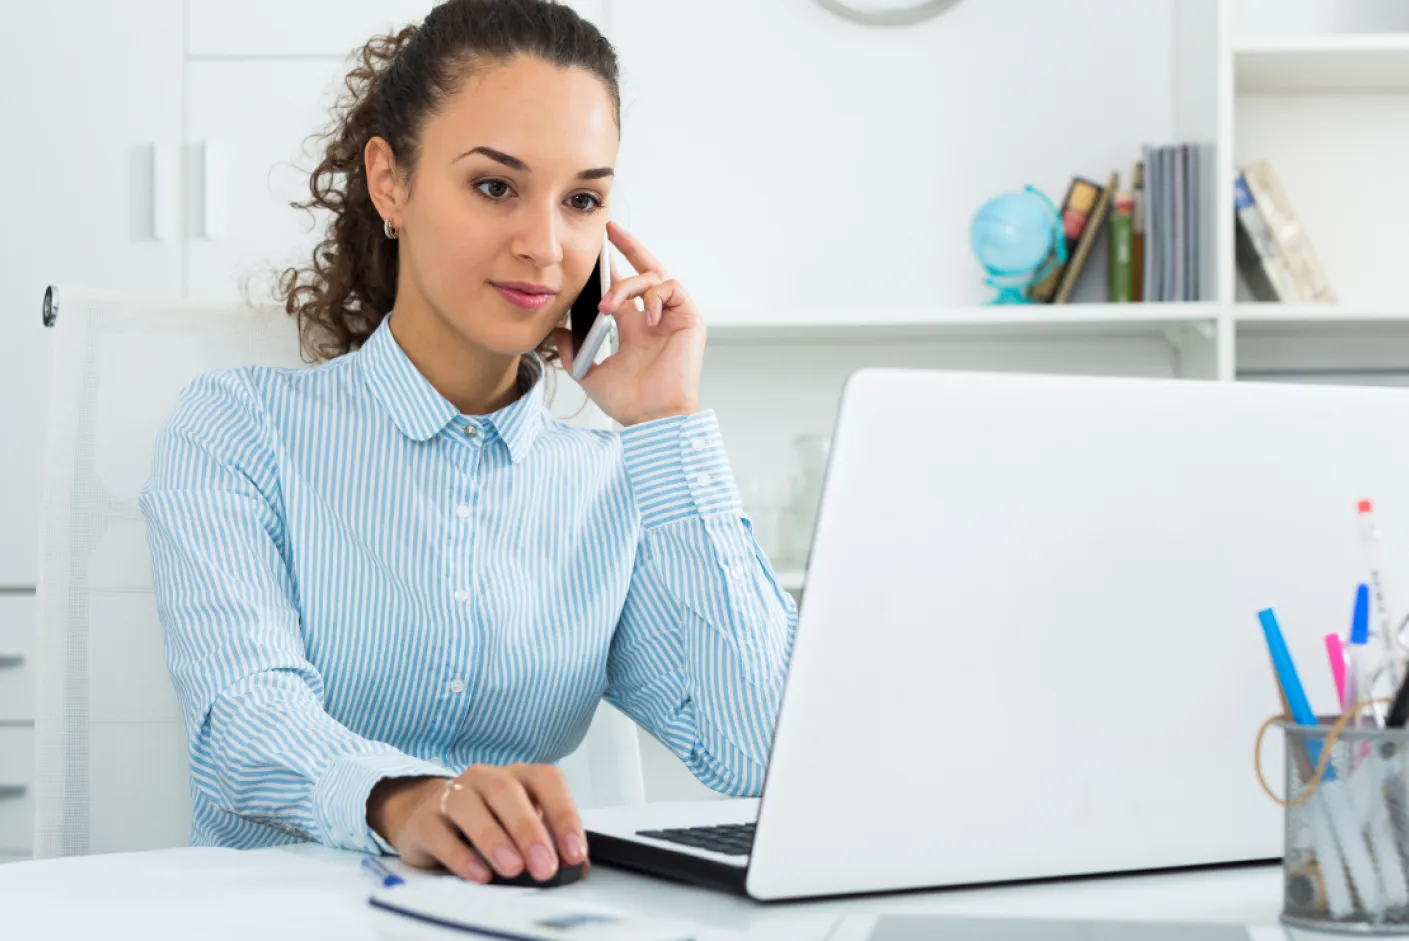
(12, 791)
(10, 661)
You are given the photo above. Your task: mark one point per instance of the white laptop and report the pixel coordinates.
(1028, 645)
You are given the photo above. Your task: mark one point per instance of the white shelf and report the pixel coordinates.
(1007, 320)
(1269, 318)
(1364, 62)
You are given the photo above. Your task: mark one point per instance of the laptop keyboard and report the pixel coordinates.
(734, 839)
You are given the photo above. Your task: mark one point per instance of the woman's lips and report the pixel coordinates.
(523, 298)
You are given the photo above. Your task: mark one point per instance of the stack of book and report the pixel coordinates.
(1274, 255)
(1155, 240)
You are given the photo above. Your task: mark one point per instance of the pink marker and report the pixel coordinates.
(1335, 649)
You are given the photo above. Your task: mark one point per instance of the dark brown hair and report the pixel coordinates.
(400, 81)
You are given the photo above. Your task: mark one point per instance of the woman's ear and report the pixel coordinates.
(383, 180)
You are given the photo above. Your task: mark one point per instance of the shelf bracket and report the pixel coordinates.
(1181, 335)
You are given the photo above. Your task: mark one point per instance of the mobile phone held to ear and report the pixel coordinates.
(591, 327)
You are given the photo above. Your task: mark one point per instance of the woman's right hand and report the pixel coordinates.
(511, 817)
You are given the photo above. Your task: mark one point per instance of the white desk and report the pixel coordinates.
(308, 892)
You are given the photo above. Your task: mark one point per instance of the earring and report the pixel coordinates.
(387, 227)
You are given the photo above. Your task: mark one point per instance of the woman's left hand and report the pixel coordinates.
(656, 372)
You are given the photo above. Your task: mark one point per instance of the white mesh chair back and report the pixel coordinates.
(110, 750)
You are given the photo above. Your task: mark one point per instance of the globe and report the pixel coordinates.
(1018, 239)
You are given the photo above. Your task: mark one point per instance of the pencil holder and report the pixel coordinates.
(1347, 828)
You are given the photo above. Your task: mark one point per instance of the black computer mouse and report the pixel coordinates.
(566, 875)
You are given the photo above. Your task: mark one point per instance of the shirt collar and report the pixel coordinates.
(421, 413)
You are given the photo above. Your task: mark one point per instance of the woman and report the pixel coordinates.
(393, 587)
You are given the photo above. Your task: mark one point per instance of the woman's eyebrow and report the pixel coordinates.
(514, 163)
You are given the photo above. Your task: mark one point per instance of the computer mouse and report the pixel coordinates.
(566, 875)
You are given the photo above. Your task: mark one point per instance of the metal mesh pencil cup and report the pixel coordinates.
(1347, 830)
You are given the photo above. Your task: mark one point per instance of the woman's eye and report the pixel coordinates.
(499, 187)
(591, 204)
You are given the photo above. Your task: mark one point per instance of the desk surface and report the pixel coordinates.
(309, 892)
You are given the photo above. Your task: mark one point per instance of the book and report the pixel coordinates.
(1081, 197)
(1121, 246)
(1259, 260)
(1137, 237)
(1178, 217)
(1089, 231)
(1287, 233)
(1154, 216)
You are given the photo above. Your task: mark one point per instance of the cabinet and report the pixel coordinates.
(95, 124)
(16, 723)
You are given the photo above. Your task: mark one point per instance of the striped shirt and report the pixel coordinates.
(355, 581)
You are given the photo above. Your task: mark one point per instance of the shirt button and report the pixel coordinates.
(698, 444)
(736, 571)
(461, 595)
(702, 480)
(457, 686)
(462, 511)
(470, 431)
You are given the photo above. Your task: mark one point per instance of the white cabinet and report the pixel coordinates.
(88, 96)
(16, 790)
(17, 642)
(252, 134)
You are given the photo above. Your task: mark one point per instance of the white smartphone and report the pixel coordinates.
(590, 327)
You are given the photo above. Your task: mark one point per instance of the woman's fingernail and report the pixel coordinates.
(540, 861)
(507, 862)
(477, 871)
(572, 848)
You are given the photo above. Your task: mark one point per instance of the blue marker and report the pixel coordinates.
(384, 875)
(1297, 702)
(1357, 684)
(1360, 625)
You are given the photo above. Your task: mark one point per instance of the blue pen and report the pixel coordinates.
(1297, 702)
(384, 875)
(1357, 684)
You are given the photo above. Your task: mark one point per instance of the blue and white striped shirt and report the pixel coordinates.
(356, 581)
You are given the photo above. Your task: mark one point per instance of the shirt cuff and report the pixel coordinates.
(341, 796)
(678, 468)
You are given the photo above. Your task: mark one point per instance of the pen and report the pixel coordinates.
(1358, 681)
(1370, 539)
(1337, 654)
(1334, 826)
(1399, 710)
(383, 875)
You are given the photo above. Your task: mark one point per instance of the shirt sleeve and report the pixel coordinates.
(706, 633)
(262, 746)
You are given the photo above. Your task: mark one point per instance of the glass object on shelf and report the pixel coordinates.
(1019, 240)
(800, 514)
(764, 500)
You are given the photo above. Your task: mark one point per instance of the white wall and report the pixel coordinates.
(776, 154)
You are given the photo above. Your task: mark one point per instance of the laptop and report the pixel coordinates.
(1028, 645)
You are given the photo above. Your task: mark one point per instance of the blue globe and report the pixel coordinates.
(1017, 237)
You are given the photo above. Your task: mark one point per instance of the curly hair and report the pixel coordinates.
(400, 81)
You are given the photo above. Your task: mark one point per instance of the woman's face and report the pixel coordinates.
(511, 190)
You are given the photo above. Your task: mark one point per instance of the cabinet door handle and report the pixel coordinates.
(10, 661)
(212, 189)
(166, 185)
(12, 791)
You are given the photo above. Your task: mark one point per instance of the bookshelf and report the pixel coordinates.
(1032, 320)
(1322, 94)
(1356, 62)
